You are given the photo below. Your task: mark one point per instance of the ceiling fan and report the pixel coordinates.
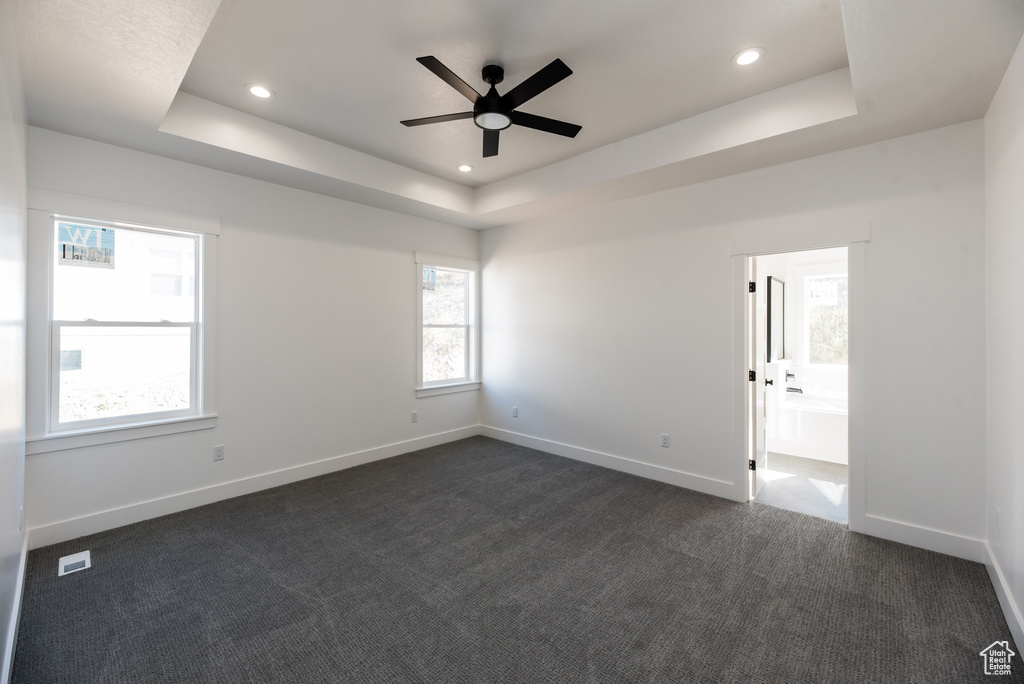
(493, 112)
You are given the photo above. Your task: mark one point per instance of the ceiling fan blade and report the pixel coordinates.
(542, 123)
(490, 143)
(449, 77)
(536, 84)
(437, 119)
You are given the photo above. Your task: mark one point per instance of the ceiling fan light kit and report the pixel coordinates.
(492, 121)
(493, 112)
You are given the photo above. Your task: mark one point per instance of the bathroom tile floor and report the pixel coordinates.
(808, 486)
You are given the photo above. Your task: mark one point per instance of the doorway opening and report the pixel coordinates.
(798, 346)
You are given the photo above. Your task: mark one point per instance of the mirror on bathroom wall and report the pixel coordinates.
(776, 319)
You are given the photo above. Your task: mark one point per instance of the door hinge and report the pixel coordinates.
(752, 376)
(752, 464)
(752, 286)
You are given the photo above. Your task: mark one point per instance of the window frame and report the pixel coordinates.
(43, 433)
(471, 379)
(54, 425)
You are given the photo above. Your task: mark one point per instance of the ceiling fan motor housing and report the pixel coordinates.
(489, 112)
(493, 74)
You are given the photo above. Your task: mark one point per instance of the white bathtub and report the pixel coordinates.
(811, 426)
(810, 402)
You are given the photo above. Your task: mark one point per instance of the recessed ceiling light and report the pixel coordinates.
(465, 168)
(259, 91)
(748, 56)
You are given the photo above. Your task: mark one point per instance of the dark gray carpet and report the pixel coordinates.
(480, 561)
(806, 485)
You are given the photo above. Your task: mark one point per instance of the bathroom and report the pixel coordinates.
(806, 350)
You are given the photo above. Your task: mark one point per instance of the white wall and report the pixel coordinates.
(1004, 239)
(612, 325)
(315, 342)
(12, 333)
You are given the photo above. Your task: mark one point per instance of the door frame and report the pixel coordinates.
(855, 237)
(757, 391)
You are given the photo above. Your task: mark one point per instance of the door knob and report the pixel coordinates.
(769, 382)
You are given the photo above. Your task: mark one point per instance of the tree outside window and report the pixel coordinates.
(828, 319)
(445, 325)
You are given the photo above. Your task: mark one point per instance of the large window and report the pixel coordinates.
(125, 327)
(447, 306)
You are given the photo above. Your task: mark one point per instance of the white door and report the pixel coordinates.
(757, 352)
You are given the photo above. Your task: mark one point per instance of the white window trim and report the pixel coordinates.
(44, 206)
(471, 267)
(122, 433)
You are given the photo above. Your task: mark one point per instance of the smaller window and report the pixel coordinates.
(448, 337)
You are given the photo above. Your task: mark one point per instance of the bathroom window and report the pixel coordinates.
(826, 299)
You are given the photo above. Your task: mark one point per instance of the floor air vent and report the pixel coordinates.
(73, 563)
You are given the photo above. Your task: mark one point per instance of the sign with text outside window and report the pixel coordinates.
(79, 245)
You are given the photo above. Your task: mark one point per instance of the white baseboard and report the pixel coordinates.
(63, 530)
(700, 483)
(15, 617)
(876, 526)
(1012, 612)
(926, 538)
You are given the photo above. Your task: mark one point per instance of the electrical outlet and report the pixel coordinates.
(515, 411)
(415, 418)
(218, 453)
(21, 518)
(664, 440)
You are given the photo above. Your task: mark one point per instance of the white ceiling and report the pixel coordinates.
(637, 66)
(653, 87)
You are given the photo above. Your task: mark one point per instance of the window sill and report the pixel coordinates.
(108, 435)
(436, 390)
